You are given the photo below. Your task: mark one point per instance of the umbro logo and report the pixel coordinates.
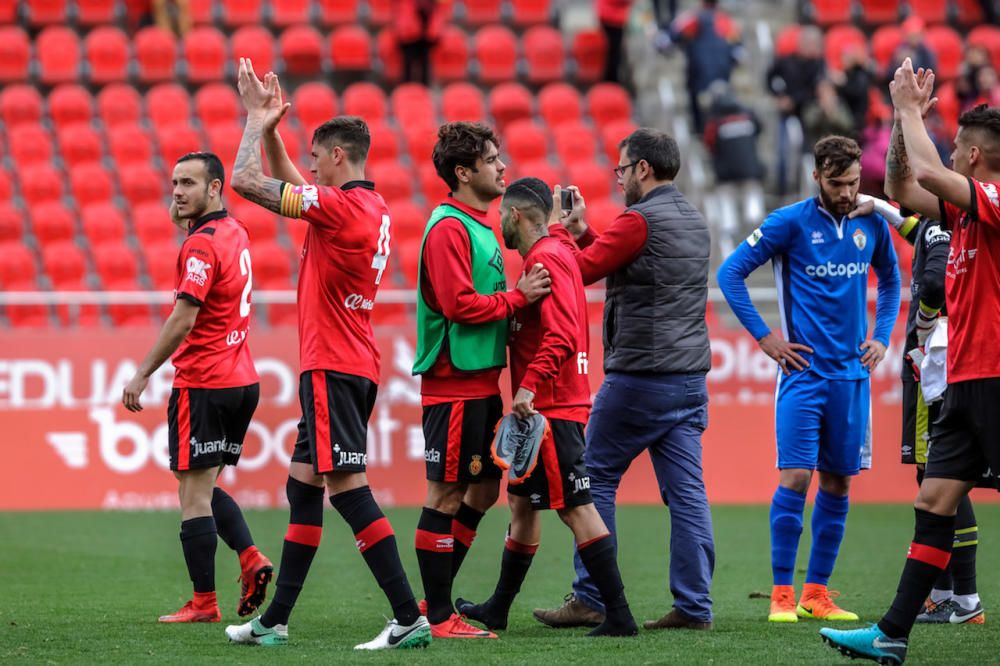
(445, 543)
(497, 261)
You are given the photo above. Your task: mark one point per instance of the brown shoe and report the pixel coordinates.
(573, 613)
(676, 620)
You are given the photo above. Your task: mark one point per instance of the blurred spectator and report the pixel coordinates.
(711, 42)
(613, 14)
(912, 47)
(827, 115)
(419, 24)
(172, 15)
(138, 14)
(731, 131)
(989, 10)
(967, 83)
(854, 84)
(875, 144)
(986, 84)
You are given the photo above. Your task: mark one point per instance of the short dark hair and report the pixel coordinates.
(985, 121)
(213, 165)
(835, 155)
(460, 144)
(527, 193)
(658, 149)
(349, 132)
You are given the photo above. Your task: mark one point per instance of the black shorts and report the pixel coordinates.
(965, 439)
(917, 418)
(333, 430)
(560, 478)
(457, 439)
(206, 427)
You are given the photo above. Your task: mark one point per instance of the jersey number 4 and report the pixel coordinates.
(381, 257)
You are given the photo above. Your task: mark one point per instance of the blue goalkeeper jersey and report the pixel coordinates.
(821, 272)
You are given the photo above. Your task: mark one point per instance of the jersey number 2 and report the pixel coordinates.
(246, 270)
(381, 257)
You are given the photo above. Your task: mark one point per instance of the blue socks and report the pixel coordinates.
(828, 521)
(787, 507)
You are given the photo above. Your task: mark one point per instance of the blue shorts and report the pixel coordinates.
(823, 424)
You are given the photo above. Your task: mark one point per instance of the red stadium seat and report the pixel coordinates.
(335, 12)
(261, 224)
(351, 49)
(236, 13)
(57, 50)
(15, 54)
(301, 48)
(161, 261)
(450, 56)
(987, 36)
(103, 223)
(408, 221)
(65, 264)
(509, 102)
(153, 228)
(608, 102)
(46, 12)
(18, 265)
(931, 11)
(41, 183)
(168, 104)
(544, 54)
(8, 11)
(95, 12)
(388, 183)
(433, 188)
(480, 12)
(205, 52)
(107, 54)
(412, 103)
(560, 103)
(787, 41)
(877, 12)
(80, 144)
(365, 100)
(380, 12)
(885, 41)
(115, 261)
(593, 179)
(947, 46)
(969, 12)
(948, 107)
(388, 55)
(289, 12)
(177, 140)
(525, 140)
(156, 53)
(420, 139)
(126, 314)
(407, 258)
(313, 104)
(496, 52)
(531, 12)
(128, 145)
(6, 189)
(544, 170)
(91, 184)
(217, 104)
(271, 266)
(589, 51)
(256, 43)
(202, 12)
(828, 12)
(385, 143)
(462, 101)
(11, 224)
(52, 223)
(612, 135)
(224, 141)
(839, 40)
(70, 104)
(29, 145)
(296, 230)
(142, 184)
(119, 104)
(20, 105)
(602, 212)
(575, 142)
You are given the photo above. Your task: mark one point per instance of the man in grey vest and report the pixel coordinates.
(656, 354)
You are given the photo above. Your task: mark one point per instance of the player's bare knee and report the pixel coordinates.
(483, 495)
(796, 479)
(941, 496)
(303, 473)
(444, 497)
(342, 482)
(834, 484)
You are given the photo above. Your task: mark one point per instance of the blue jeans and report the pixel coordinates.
(666, 415)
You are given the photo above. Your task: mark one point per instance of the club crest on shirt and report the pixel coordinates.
(755, 237)
(860, 239)
(476, 466)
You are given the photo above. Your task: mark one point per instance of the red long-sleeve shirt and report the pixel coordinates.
(446, 286)
(549, 339)
(600, 255)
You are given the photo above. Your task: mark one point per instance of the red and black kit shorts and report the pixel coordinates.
(560, 479)
(457, 439)
(333, 430)
(206, 427)
(965, 439)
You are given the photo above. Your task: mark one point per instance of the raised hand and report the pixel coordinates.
(256, 98)
(277, 108)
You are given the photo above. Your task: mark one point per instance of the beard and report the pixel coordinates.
(632, 193)
(509, 239)
(837, 207)
(488, 191)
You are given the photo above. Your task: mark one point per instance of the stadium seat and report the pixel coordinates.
(969, 12)
(877, 12)
(543, 169)
(313, 104)
(6, 188)
(380, 12)
(947, 46)
(126, 314)
(612, 135)
(153, 228)
(18, 265)
(589, 52)
(987, 36)
(128, 145)
(884, 43)
(948, 107)
(224, 141)
(289, 12)
(509, 102)
(168, 104)
(350, 49)
(41, 183)
(205, 53)
(787, 41)
(115, 261)
(65, 265)
(217, 104)
(20, 105)
(46, 12)
(236, 13)
(156, 53)
(496, 52)
(301, 48)
(57, 50)
(407, 258)
(8, 11)
(420, 139)
(107, 55)
(433, 188)
(450, 56)
(839, 40)
(175, 141)
(575, 142)
(119, 104)
(91, 184)
(408, 221)
(602, 212)
(296, 230)
(203, 12)
(29, 145)
(95, 12)
(385, 143)
(608, 102)
(52, 223)
(15, 54)
(462, 101)
(271, 265)
(80, 144)
(70, 104)
(544, 54)
(481, 12)
(11, 224)
(261, 224)
(531, 12)
(142, 184)
(388, 55)
(593, 179)
(365, 100)
(559, 103)
(931, 11)
(525, 140)
(388, 182)
(829, 12)
(102, 223)
(161, 261)
(254, 42)
(412, 103)
(336, 12)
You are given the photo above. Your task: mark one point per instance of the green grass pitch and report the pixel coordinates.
(88, 587)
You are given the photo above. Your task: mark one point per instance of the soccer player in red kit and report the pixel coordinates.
(343, 261)
(215, 383)
(549, 342)
(462, 310)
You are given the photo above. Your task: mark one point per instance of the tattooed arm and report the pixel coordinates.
(249, 180)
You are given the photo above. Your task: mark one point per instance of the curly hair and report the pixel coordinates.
(349, 132)
(460, 144)
(984, 120)
(835, 155)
